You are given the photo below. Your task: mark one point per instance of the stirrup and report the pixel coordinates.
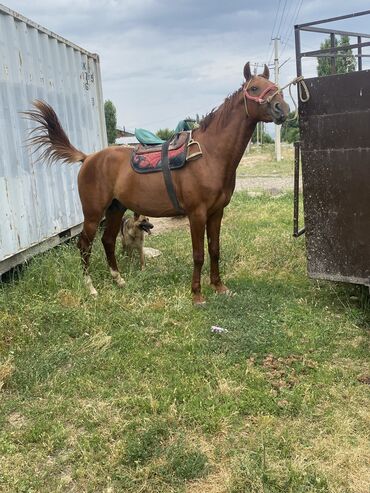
(196, 153)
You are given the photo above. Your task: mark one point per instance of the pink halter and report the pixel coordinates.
(260, 99)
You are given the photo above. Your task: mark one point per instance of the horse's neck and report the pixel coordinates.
(227, 143)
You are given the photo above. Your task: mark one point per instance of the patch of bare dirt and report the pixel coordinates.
(364, 379)
(271, 184)
(17, 420)
(162, 224)
(281, 373)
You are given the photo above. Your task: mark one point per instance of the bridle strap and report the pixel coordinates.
(259, 99)
(299, 81)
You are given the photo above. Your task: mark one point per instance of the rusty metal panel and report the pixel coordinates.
(335, 150)
(39, 202)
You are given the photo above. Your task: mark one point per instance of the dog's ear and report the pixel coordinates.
(136, 216)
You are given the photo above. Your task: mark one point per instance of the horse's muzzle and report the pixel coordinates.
(279, 112)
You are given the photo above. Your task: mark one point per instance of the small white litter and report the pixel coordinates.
(151, 252)
(218, 330)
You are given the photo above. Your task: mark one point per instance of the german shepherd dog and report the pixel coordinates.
(132, 234)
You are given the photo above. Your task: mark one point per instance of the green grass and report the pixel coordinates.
(262, 162)
(131, 392)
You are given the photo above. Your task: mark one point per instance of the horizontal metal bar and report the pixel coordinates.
(331, 19)
(334, 31)
(335, 49)
(338, 55)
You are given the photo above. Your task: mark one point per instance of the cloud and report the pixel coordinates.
(162, 60)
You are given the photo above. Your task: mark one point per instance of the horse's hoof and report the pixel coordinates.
(93, 292)
(120, 282)
(199, 301)
(117, 278)
(222, 289)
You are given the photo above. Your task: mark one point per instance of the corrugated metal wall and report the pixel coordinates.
(39, 201)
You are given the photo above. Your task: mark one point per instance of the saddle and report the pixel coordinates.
(171, 155)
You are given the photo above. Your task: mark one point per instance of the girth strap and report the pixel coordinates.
(168, 178)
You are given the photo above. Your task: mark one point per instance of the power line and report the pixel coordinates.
(276, 17)
(294, 21)
(291, 17)
(281, 20)
(272, 31)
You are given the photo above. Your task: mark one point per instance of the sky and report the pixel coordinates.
(162, 60)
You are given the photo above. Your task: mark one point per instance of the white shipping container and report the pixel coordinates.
(39, 204)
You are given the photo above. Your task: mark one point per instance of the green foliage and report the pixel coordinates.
(345, 61)
(290, 129)
(193, 122)
(165, 133)
(110, 121)
(266, 138)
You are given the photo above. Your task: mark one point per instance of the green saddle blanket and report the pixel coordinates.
(147, 138)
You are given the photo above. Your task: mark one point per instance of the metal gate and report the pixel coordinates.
(335, 157)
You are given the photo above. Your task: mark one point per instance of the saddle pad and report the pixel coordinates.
(151, 162)
(176, 141)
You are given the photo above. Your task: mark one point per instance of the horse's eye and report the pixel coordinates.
(254, 88)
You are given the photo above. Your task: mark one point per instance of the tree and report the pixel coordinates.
(266, 138)
(344, 62)
(110, 121)
(290, 129)
(165, 133)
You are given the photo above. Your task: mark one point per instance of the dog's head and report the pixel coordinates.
(142, 222)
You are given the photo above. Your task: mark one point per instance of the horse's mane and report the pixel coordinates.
(221, 113)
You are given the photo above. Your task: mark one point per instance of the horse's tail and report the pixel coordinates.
(50, 137)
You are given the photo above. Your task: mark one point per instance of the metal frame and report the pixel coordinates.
(331, 52)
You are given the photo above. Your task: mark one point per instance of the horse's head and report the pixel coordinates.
(263, 101)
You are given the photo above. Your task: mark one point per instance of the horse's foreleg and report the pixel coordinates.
(85, 244)
(197, 227)
(213, 237)
(113, 217)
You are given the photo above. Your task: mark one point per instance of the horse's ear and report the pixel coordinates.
(247, 71)
(266, 72)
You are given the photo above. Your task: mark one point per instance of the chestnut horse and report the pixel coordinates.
(108, 185)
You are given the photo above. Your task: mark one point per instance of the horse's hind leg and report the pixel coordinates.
(113, 219)
(87, 236)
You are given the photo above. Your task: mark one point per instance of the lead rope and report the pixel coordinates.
(297, 81)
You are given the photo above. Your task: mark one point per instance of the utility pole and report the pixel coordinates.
(257, 126)
(277, 127)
